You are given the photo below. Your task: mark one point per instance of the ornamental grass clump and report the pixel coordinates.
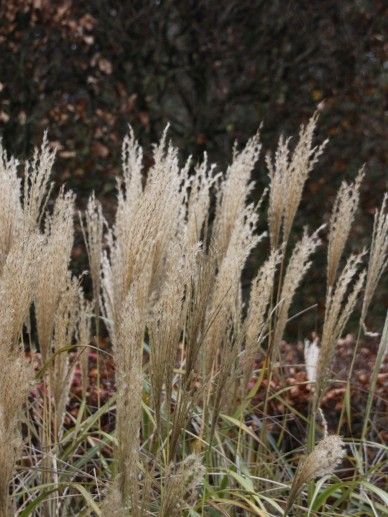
(165, 388)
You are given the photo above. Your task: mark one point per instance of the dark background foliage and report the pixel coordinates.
(215, 70)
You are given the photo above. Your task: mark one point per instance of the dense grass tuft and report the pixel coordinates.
(189, 426)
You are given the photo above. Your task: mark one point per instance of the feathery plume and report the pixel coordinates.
(297, 267)
(288, 175)
(257, 317)
(36, 186)
(92, 231)
(198, 203)
(11, 213)
(322, 461)
(179, 492)
(132, 164)
(378, 257)
(232, 194)
(226, 295)
(342, 216)
(337, 313)
(18, 282)
(144, 227)
(53, 275)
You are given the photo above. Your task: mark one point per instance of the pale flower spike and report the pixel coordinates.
(311, 357)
